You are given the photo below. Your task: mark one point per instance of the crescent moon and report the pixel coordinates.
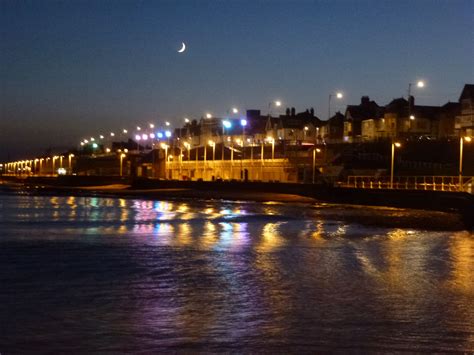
(183, 48)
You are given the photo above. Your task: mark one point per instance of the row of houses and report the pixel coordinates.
(368, 121)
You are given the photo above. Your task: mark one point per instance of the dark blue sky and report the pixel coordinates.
(72, 69)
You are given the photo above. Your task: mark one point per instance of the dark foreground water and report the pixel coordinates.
(82, 275)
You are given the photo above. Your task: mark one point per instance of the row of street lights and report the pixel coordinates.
(462, 139)
(277, 103)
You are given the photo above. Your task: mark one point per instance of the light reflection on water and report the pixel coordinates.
(222, 276)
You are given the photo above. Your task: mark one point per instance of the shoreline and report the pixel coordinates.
(364, 214)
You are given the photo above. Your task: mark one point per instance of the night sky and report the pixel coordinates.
(74, 69)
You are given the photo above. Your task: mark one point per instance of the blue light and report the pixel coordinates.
(243, 122)
(168, 134)
(227, 124)
(160, 135)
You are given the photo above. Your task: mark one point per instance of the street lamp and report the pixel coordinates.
(461, 140)
(419, 84)
(208, 115)
(243, 123)
(235, 110)
(272, 141)
(70, 161)
(338, 95)
(394, 145)
(186, 120)
(121, 163)
(228, 125)
(316, 150)
(165, 147)
(188, 147)
(277, 103)
(213, 145)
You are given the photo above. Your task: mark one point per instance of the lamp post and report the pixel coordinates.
(213, 145)
(165, 147)
(225, 124)
(316, 150)
(419, 84)
(272, 141)
(70, 156)
(243, 123)
(338, 95)
(122, 155)
(394, 145)
(461, 140)
(276, 103)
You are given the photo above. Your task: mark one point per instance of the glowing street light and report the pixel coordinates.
(101, 136)
(152, 125)
(124, 131)
(208, 115)
(461, 140)
(419, 84)
(121, 163)
(276, 103)
(235, 110)
(167, 124)
(213, 145)
(165, 147)
(112, 134)
(394, 145)
(139, 128)
(272, 141)
(225, 124)
(70, 156)
(316, 150)
(186, 120)
(339, 95)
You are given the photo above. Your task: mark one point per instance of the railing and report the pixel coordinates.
(433, 183)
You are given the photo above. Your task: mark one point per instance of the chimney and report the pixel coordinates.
(311, 111)
(287, 111)
(411, 101)
(293, 111)
(364, 101)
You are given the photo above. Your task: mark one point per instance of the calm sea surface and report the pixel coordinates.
(85, 274)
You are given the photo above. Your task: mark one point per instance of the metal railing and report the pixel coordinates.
(433, 183)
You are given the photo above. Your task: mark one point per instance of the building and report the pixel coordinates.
(354, 116)
(332, 130)
(464, 123)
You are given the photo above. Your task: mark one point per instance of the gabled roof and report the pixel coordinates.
(291, 122)
(337, 119)
(430, 112)
(451, 107)
(467, 92)
(366, 109)
(399, 106)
